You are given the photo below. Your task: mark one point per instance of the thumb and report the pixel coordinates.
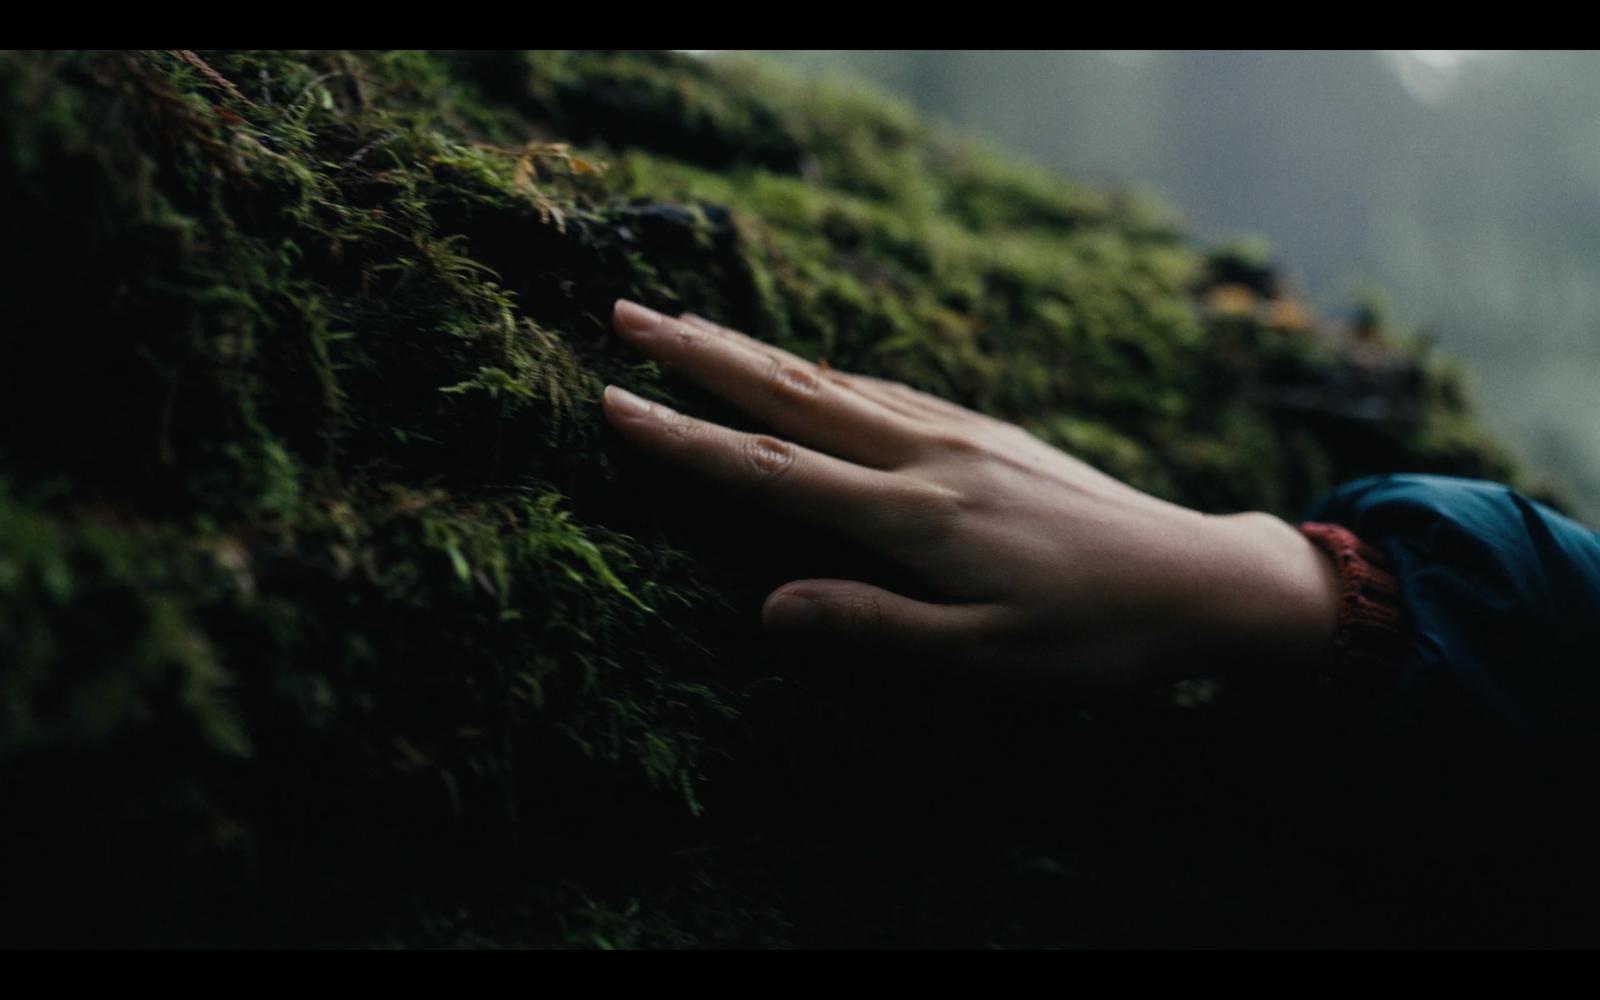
(843, 610)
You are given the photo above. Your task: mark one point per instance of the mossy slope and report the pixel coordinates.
(331, 612)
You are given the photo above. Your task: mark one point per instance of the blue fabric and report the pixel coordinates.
(1505, 596)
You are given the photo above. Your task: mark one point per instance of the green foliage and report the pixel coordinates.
(59, 585)
(324, 586)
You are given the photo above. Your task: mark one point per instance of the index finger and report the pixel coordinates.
(774, 386)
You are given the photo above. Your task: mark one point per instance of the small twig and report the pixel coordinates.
(214, 76)
(306, 90)
(495, 149)
(356, 157)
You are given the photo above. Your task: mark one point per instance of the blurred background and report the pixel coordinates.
(1463, 187)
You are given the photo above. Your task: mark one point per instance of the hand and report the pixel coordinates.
(1053, 570)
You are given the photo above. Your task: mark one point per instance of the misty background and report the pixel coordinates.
(1463, 185)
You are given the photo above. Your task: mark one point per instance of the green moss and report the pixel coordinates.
(69, 679)
(318, 564)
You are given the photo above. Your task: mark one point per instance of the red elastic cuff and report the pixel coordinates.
(1373, 636)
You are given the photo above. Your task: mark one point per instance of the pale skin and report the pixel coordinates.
(1052, 573)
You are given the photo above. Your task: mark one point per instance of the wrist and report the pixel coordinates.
(1273, 599)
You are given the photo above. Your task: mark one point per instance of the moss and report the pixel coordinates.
(325, 589)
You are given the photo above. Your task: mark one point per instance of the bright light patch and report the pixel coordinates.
(1431, 75)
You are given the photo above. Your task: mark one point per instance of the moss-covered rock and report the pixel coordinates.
(332, 613)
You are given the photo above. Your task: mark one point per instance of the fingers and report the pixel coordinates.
(853, 612)
(789, 394)
(892, 513)
(701, 323)
(894, 396)
(902, 398)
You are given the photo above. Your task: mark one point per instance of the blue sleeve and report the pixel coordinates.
(1505, 596)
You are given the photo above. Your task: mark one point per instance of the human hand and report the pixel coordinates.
(1054, 571)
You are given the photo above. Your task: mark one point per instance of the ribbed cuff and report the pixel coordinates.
(1374, 634)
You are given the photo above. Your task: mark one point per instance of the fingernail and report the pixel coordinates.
(626, 404)
(788, 611)
(634, 318)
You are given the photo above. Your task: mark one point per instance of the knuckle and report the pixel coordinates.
(793, 383)
(862, 613)
(679, 338)
(686, 337)
(770, 459)
(676, 427)
(947, 508)
(955, 442)
(928, 514)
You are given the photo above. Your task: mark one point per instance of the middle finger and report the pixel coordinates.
(895, 396)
